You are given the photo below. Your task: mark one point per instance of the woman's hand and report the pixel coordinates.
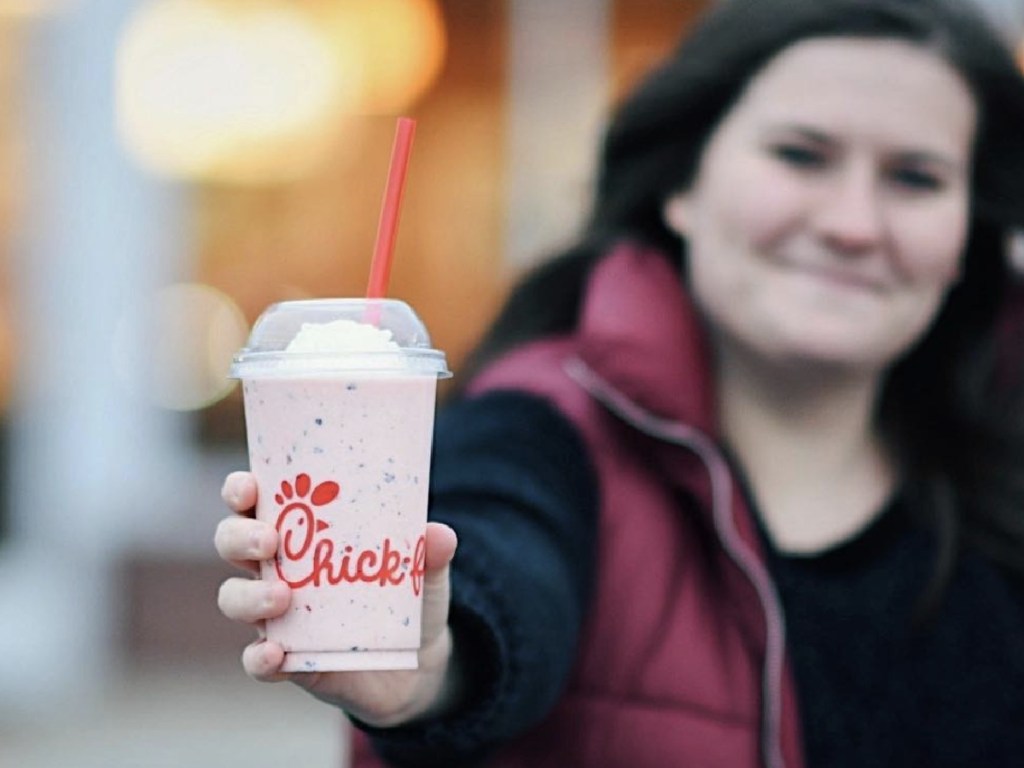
(380, 699)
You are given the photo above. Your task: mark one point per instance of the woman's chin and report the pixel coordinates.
(846, 359)
(852, 348)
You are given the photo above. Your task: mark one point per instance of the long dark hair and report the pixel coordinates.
(963, 459)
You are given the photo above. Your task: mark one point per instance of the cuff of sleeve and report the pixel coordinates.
(465, 735)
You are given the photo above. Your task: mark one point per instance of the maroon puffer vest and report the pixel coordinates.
(681, 661)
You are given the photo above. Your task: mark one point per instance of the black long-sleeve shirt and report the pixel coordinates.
(877, 689)
(512, 477)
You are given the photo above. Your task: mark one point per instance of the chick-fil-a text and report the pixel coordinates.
(329, 563)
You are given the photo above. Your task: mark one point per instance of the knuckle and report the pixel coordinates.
(235, 490)
(227, 598)
(249, 660)
(227, 490)
(223, 601)
(229, 540)
(222, 537)
(255, 663)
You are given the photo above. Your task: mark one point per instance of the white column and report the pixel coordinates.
(90, 458)
(558, 90)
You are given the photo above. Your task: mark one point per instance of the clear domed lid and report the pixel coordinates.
(404, 347)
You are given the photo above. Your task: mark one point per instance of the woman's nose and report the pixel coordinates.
(849, 215)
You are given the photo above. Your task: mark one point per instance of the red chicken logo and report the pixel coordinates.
(310, 557)
(296, 524)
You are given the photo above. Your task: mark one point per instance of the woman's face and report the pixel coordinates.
(830, 209)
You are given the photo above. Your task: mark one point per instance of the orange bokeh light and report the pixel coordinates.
(263, 91)
(398, 46)
(244, 92)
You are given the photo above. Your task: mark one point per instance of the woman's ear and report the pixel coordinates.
(676, 213)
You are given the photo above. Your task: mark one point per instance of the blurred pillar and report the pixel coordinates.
(558, 94)
(90, 458)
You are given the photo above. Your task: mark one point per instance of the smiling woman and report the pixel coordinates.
(824, 227)
(738, 478)
(824, 231)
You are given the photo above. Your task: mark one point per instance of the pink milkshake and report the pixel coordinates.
(339, 407)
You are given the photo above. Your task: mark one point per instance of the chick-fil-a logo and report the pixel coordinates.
(308, 555)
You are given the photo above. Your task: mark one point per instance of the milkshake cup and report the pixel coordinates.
(339, 401)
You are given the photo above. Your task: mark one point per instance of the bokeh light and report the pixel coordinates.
(397, 47)
(240, 91)
(175, 349)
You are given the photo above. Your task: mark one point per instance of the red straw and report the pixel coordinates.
(387, 227)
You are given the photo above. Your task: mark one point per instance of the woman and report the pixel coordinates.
(738, 479)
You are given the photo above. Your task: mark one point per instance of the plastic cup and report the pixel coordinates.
(339, 443)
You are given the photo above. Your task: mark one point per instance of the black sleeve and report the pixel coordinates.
(511, 475)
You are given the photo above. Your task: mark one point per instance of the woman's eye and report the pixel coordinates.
(916, 179)
(800, 157)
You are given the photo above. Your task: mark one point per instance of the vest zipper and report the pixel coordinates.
(683, 435)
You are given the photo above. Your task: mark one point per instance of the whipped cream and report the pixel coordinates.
(342, 337)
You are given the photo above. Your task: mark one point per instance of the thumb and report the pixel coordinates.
(440, 549)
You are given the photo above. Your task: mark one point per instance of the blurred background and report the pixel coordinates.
(169, 168)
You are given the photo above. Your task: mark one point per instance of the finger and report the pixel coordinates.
(441, 544)
(244, 542)
(262, 660)
(251, 600)
(239, 492)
